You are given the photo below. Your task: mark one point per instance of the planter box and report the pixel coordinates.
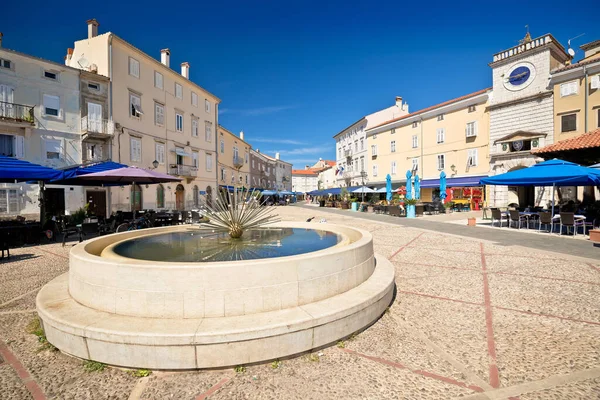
(472, 222)
(595, 235)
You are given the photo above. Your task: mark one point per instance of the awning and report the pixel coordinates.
(13, 170)
(180, 152)
(71, 175)
(465, 181)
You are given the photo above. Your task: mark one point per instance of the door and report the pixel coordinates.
(180, 198)
(97, 202)
(54, 200)
(136, 198)
(94, 117)
(6, 101)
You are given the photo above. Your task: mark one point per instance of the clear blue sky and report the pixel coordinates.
(292, 74)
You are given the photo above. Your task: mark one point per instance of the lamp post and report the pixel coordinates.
(363, 177)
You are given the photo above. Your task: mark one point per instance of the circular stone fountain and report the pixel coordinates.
(179, 298)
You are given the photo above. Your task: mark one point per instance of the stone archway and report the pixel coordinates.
(524, 196)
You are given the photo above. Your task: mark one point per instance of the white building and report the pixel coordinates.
(305, 180)
(40, 121)
(351, 147)
(521, 113)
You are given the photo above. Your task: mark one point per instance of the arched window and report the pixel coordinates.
(196, 193)
(160, 196)
(136, 198)
(209, 196)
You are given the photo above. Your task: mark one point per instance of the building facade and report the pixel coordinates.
(260, 171)
(452, 137)
(159, 115)
(352, 147)
(305, 180)
(283, 172)
(521, 113)
(40, 121)
(233, 159)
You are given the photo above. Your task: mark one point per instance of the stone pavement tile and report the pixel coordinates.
(27, 302)
(11, 386)
(442, 257)
(181, 385)
(338, 375)
(400, 342)
(542, 296)
(554, 268)
(514, 250)
(61, 376)
(459, 329)
(583, 390)
(384, 250)
(531, 348)
(441, 282)
(438, 241)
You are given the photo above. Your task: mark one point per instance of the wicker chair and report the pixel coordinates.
(497, 215)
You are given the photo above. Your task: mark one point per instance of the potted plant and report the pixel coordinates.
(344, 195)
(410, 207)
(448, 207)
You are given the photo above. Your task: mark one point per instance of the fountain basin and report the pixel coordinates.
(186, 315)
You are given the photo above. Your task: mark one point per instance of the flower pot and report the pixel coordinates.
(472, 221)
(411, 211)
(595, 235)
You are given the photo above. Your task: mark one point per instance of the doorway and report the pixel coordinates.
(180, 198)
(136, 198)
(97, 202)
(209, 196)
(54, 201)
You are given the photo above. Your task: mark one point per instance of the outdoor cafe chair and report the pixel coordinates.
(516, 218)
(545, 218)
(567, 219)
(195, 217)
(499, 216)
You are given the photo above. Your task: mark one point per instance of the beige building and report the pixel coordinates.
(159, 115)
(233, 159)
(452, 137)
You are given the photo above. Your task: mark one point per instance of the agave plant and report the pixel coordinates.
(236, 212)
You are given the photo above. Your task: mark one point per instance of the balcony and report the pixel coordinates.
(97, 127)
(17, 113)
(347, 153)
(188, 171)
(238, 162)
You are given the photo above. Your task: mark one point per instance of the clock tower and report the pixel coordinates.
(521, 113)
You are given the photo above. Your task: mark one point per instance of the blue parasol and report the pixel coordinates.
(409, 185)
(417, 187)
(388, 187)
(443, 186)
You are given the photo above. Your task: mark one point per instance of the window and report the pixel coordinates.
(393, 146)
(471, 129)
(569, 123)
(194, 99)
(415, 124)
(195, 159)
(569, 88)
(5, 63)
(472, 158)
(339, 153)
(53, 149)
(9, 201)
(135, 105)
(356, 145)
(135, 149)
(246, 159)
(159, 114)
(194, 127)
(441, 135)
(222, 147)
(178, 122)
(12, 146)
(207, 106)
(440, 117)
(362, 164)
(160, 196)
(374, 170)
(253, 163)
(51, 105)
(415, 164)
(362, 143)
(415, 141)
(209, 161)
(374, 150)
(472, 109)
(178, 91)
(208, 133)
(160, 153)
(158, 80)
(223, 174)
(246, 179)
(393, 167)
(393, 130)
(93, 86)
(134, 67)
(441, 161)
(51, 75)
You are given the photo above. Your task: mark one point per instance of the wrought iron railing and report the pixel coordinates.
(103, 126)
(183, 170)
(238, 162)
(16, 112)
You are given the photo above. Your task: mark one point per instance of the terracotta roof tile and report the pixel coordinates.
(304, 172)
(433, 107)
(576, 65)
(585, 141)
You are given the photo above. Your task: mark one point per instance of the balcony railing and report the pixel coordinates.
(238, 162)
(97, 126)
(16, 112)
(348, 153)
(183, 170)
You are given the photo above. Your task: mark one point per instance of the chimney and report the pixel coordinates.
(68, 56)
(277, 156)
(165, 56)
(242, 135)
(1, 34)
(398, 101)
(185, 70)
(92, 28)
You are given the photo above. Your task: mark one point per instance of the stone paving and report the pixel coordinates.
(471, 319)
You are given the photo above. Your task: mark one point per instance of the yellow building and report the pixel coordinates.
(577, 95)
(233, 156)
(452, 137)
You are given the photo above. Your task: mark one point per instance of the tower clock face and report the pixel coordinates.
(519, 76)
